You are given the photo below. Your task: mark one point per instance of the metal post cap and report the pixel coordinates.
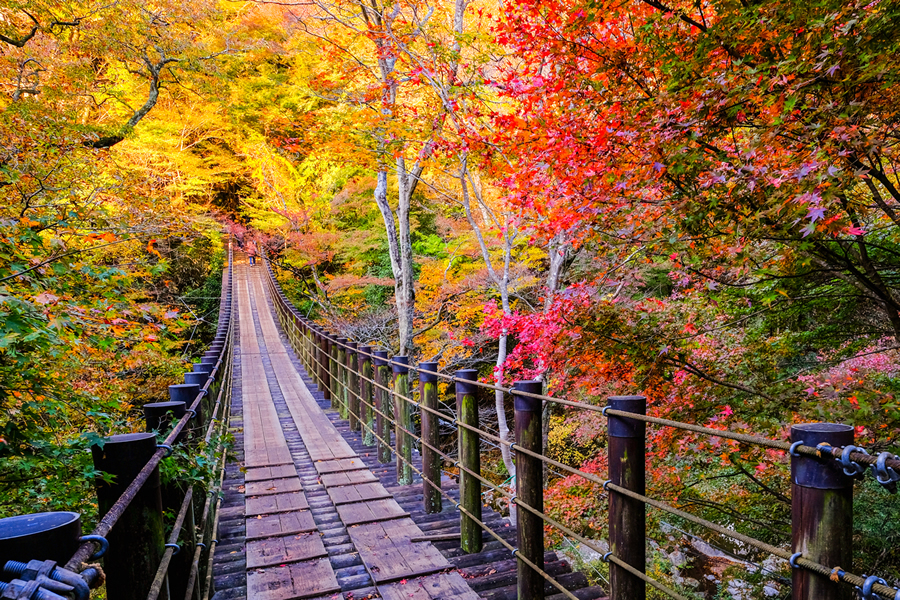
(400, 365)
(525, 403)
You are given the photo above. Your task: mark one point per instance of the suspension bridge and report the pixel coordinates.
(329, 481)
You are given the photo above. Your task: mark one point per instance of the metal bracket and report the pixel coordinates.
(884, 474)
(852, 469)
(176, 547)
(866, 589)
(102, 541)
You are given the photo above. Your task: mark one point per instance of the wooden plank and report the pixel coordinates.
(280, 525)
(434, 587)
(348, 478)
(336, 466)
(298, 580)
(358, 493)
(272, 486)
(274, 472)
(277, 503)
(371, 511)
(281, 550)
(270, 584)
(388, 554)
(313, 578)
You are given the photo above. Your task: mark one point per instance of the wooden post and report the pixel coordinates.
(382, 403)
(137, 539)
(529, 490)
(365, 391)
(402, 420)
(186, 393)
(337, 376)
(352, 386)
(431, 462)
(821, 512)
(314, 356)
(470, 458)
(315, 350)
(324, 372)
(627, 517)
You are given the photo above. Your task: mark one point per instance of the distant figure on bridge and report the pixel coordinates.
(251, 252)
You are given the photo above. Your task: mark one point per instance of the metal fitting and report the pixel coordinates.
(866, 589)
(884, 474)
(168, 448)
(176, 547)
(52, 578)
(102, 541)
(26, 590)
(852, 469)
(793, 560)
(793, 449)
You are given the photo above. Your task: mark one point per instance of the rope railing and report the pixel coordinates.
(138, 559)
(824, 465)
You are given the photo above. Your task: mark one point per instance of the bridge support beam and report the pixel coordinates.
(365, 391)
(627, 516)
(431, 465)
(402, 420)
(469, 460)
(382, 406)
(136, 541)
(821, 512)
(352, 388)
(529, 491)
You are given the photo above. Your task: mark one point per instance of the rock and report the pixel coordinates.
(740, 590)
(691, 582)
(771, 589)
(677, 558)
(589, 554)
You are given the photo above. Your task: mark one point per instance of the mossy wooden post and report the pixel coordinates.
(136, 542)
(627, 516)
(402, 420)
(431, 461)
(352, 386)
(529, 490)
(337, 391)
(315, 350)
(343, 353)
(821, 512)
(382, 406)
(365, 392)
(313, 347)
(305, 339)
(302, 332)
(469, 458)
(324, 371)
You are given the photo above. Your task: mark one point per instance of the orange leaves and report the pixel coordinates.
(152, 250)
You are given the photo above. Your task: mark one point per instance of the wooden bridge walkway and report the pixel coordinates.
(309, 512)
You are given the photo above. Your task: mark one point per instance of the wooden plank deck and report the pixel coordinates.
(315, 521)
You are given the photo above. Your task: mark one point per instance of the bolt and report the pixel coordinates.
(15, 567)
